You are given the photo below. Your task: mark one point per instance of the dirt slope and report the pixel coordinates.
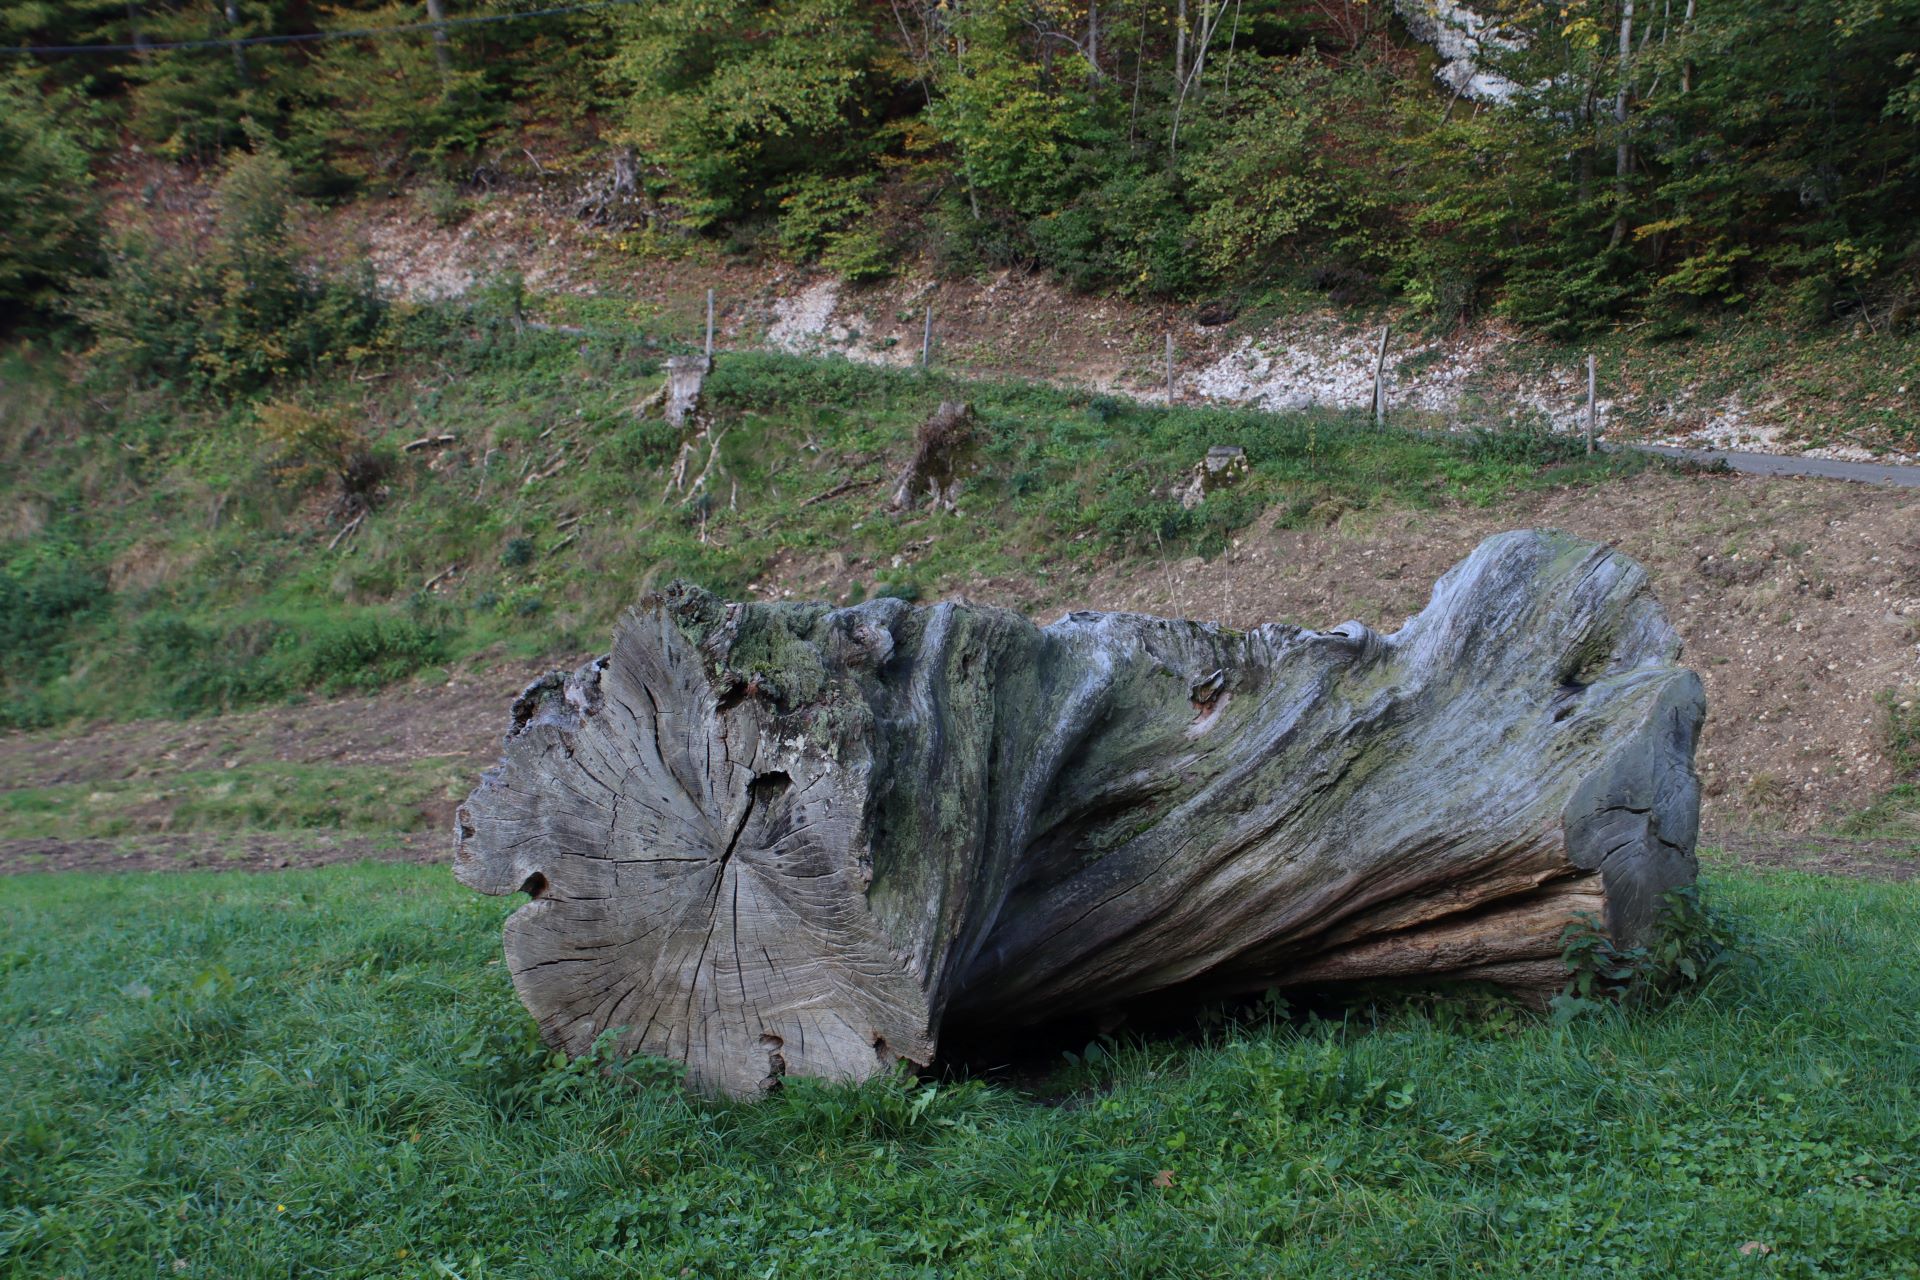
(1799, 602)
(1827, 396)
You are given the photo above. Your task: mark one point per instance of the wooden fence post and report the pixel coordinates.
(1379, 379)
(926, 337)
(709, 324)
(1591, 413)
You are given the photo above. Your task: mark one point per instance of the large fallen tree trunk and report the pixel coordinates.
(773, 839)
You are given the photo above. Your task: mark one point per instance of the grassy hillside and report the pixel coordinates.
(227, 1075)
(170, 552)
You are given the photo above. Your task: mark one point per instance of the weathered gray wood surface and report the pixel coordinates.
(788, 839)
(943, 457)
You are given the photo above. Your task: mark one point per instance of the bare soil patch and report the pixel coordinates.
(1799, 602)
(249, 851)
(1821, 855)
(463, 719)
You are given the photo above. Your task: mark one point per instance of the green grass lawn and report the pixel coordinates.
(327, 1073)
(263, 796)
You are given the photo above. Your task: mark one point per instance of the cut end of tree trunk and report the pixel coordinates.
(786, 839)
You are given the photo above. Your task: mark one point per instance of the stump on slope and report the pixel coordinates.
(773, 839)
(943, 457)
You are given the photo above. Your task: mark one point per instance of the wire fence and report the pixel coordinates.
(224, 43)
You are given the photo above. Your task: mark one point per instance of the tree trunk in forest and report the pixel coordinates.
(1686, 66)
(232, 10)
(1623, 153)
(788, 839)
(1093, 43)
(442, 57)
(1180, 43)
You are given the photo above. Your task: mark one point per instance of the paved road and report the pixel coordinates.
(1780, 464)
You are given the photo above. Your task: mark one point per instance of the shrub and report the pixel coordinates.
(194, 668)
(45, 596)
(368, 651)
(1689, 943)
(765, 381)
(40, 600)
(444, 203)
(643, 444)
(246, 308)
(48, 223)
(815, 208)
(310, 446)
(388, 111)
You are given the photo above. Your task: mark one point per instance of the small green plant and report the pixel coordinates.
(818, 214)
(1902, 730)
(1689, 943)
(444, 203)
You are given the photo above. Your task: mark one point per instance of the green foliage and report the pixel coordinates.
(385, 110)
(49, 226)
(1011, 135)
(814, 208)
(197, 668)
(48, 590)
(351, 110)
(1127, 232)
(247, 307)
(237, 581)
(830, 221)
(303, 446)
(1741, 153)
(1690, 943)
(444, 203)
(738, 98)
(266, 1074)
(1275, 178)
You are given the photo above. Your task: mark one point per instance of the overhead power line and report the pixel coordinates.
(309, 37)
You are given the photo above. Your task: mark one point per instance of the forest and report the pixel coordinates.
(1610, 163)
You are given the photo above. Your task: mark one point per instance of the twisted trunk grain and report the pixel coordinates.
(789, 839)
